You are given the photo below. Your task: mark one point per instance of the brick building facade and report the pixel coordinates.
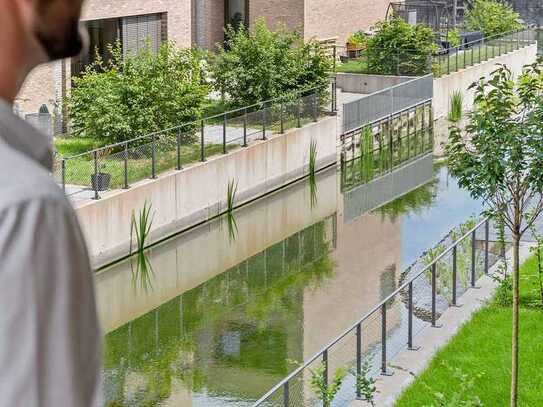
(191, 23)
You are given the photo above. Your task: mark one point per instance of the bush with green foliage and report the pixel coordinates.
(261, 64)
(358, 38)
(137, 94)
(491, 17)
(453, 38)
(399, 47)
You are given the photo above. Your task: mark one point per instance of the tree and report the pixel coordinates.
(137, 94)
(400, 48)
(492, 17)
(498, 158)
(261, 64)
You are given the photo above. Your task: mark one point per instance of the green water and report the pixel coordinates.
(219, 321)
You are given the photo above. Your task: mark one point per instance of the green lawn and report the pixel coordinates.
(72, 145)
(483, 345)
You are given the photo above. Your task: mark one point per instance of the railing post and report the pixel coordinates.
(473, 259)
(487, 227)
(298, 113)
(179, 165)
(245, 127)
(334, 55)
(264, 121)
(202, 146)
(410, 319)
(448, 60)
(480, 46)
(63, 174)
(282, 118)
(384, 370)
(126, 186)
(325, 370)
(153, 157)
(454, 277)
(434, 297)
(334, 96)
(96, 181)
(286, 394)
(358, 357)
(315, 99)
(224, 134)
(457, 52)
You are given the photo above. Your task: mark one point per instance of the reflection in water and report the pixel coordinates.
(142, 271)
(242, 323)
(226, 318)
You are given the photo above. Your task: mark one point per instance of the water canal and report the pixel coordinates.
(224, 315)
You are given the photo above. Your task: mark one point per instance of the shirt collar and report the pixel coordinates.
(23, 137)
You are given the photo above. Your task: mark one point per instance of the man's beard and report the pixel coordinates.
(56, 47)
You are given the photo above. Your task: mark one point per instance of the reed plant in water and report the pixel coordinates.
(140, 230)
(230, 204)
(312, 170)
(456, 101)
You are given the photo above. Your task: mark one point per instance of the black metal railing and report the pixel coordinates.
(426, 289)
(380, 146)
(408, 62)
(118, 165)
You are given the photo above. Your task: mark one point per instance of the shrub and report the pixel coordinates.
(137, 94)
(399, 47)
(456, 102)
(491, 17)
(261, 64)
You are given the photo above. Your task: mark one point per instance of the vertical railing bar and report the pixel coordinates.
(202, 146)
(286, 394)
(126, 186)
(384, 370)
(63, 174)
(282, 118)
(153, 157)
(454, 277)
(264, 121)
(473, 236)
(434, 295)
(95, 184)
(358, 356)
(245, 127)
(179, 164)
(224, 134)
(487, 227)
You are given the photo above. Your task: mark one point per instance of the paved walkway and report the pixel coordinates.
(409, 364)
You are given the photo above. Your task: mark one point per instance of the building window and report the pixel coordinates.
(237, 13)
(133, 33)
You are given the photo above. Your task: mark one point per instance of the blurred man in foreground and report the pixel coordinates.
(49, 334)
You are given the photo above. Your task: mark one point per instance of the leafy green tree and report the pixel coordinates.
(491, 17)
(400, 48)
(137, 94)
(498, 158)
(260, 64)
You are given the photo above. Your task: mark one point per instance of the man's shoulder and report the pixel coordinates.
(24, 180)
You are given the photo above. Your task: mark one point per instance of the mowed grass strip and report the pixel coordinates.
(483, 346)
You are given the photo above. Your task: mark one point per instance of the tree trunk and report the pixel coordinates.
(515, 336)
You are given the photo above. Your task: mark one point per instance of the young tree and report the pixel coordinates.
(400, 48)
(137, 94)
(498, 157)
(261, 64)
(492, 17)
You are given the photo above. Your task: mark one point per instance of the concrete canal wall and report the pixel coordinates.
(184, 198)
(187, 261)
(462, 79)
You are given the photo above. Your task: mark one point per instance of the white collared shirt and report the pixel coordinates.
(50, 341)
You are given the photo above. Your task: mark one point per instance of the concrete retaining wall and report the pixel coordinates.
(366, 84)
(463, 78)
(184, 198)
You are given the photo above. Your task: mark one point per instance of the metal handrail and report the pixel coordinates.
(297, 93)
(367, 315)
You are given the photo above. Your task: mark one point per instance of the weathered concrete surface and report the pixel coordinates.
(462, 79)
(366, 84)
(187, 261)
(409, 364)
(184, 198)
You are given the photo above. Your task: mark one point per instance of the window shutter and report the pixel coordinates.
(138, 30)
